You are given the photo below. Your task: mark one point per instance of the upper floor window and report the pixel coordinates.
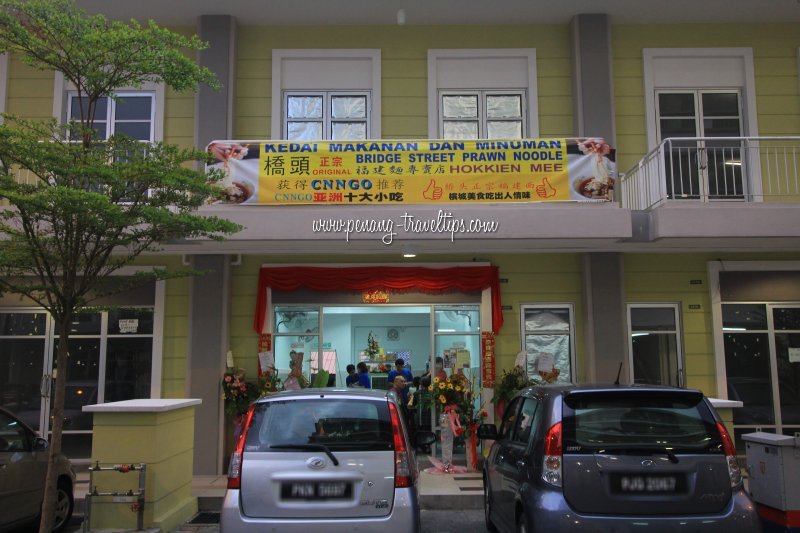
(482, 114)
(699, 113)
(129, 113)
(337, 116)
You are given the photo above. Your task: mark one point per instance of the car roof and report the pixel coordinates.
(327, 391)
(570, 388)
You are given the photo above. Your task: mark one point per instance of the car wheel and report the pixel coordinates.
(487, 507)
(65, 503)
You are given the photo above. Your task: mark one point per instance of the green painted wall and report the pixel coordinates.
(531, 279)
(652, 278)
(775, 64)
(404, 70)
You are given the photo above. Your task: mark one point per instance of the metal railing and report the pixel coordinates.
(706, 169)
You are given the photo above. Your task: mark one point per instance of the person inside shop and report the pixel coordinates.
(439, 371)
(399, 388)
(400, 370)
(352, 378)
(363, 376)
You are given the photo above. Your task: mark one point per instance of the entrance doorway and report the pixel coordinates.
(110, 359)
(331, 337)
(762, 366)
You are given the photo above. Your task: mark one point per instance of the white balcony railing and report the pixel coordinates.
(744, 169)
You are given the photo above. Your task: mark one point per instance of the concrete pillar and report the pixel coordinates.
(214, 109)
(605, 317)
(209, 313)
(592, 77)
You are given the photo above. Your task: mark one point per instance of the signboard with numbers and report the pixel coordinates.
(413, 172)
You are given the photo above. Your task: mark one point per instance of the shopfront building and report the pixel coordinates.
(685, 274)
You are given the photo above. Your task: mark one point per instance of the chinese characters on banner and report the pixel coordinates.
(487, 358)
(414, 172)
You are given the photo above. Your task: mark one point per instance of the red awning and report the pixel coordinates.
(394, 279)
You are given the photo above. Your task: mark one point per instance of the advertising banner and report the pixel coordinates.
(414, 172)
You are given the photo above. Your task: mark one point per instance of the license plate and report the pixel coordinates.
(647, 484)
(316, 490)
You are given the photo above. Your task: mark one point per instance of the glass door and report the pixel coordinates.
(709, 168)
(655, 344)
(762, 366)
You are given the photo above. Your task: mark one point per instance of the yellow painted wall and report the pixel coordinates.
(775, 64)
(404, 70)
(531, 279)
(652, 278)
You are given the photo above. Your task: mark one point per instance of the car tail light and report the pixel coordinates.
(734, 472)
(551, 466)
(403, 475)
(235, 465)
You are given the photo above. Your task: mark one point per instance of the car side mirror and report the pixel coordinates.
(40, 444)
(487, 432)
(425, 438)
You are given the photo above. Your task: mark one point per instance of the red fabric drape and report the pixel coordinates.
(394, 279)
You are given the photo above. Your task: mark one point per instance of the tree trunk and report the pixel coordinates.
(51, 485)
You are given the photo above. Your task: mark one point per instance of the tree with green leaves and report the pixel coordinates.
(76, 208)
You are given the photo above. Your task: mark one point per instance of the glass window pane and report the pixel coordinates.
(678, 127)
(457, 319)
(787, 349)
(21, 362)
(741, 317)
(653, 319)
(676, 104)
(296, 320)
(460, 130)
(128, 367)
(504, 106)
(460, 106)
(304, 107)
(784, 318)
(85, 324)
(460, 352)
(137, 130)
(348, 107)
(548, 355)
(22, 323)
(132, 320)
(720, 104)
(101, 109)
(507, 129)
(295, 351)
(133, 108)
(509, 418)
(304, 131)
(349, 131)
(544, 319)
(721, 127)
(525, 422)
(749, 380)
(655, 358)
(83, 363)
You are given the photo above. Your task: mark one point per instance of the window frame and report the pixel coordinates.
(62, 88)
(699, 115)
(327, 111)
(680, 355)
(570, 307)
(111, 109)
(483, 118)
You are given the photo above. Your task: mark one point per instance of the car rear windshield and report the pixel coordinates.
(337, 423)
(636, 420)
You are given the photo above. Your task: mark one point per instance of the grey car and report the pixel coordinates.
(613, 458)
(23, 468)
(327, 459)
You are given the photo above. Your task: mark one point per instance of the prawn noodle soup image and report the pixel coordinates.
(592, 169)
(238, 161)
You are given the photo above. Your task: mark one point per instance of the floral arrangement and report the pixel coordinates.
(237, 392)
(455, 393)
(372, 347)
(510, 384)
(268, 383)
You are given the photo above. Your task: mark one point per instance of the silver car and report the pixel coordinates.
(338, 460)
(23, 468)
